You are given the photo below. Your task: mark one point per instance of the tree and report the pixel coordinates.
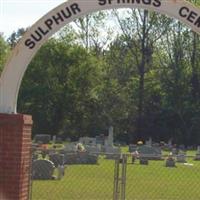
(58, 89)
(4, 51)
(90, 31)
(140, 31)
(15, 37)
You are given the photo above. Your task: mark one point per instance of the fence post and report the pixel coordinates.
(15, 144)
(120, 181)
(123, 179)
(116, 189)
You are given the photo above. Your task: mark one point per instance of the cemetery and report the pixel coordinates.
(170, 178)
(112, 102)
(61, 170)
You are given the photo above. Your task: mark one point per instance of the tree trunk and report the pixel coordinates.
(141, 76)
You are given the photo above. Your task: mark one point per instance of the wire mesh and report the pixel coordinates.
(91, 177)
(155, 181)
(83, 176)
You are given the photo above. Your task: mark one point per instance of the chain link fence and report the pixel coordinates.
(99, 176)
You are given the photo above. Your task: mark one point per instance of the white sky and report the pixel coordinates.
(16, 14)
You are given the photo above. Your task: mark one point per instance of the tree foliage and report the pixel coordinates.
(4, 52)
(143, 79)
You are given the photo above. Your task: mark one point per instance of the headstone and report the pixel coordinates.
(156, 145)
(54, 139)
(100, 139)
(175, 151)
(151, 153)
(70, 158)
(170, 162)
(169, 145)
(149, 142)
(85, 158)
(87, 141)
(42, 169)
(132, 148)
(61, 171)
(92, 149)
(170, 142)
(181, 157)
(57, 159)
(80, 158)
(42, 138)
(110, 136)
(112, 152)
(197, 157)
(70, 147)
(144, 161)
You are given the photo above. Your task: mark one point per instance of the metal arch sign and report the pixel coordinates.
(66, 12)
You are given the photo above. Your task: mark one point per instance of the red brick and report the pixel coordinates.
(15, 155)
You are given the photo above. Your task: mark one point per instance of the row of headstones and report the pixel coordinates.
(44, 168)
(92, 149)
(170, 161)
(46, 139)
(156, 152)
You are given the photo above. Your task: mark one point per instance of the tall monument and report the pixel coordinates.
(110, 136)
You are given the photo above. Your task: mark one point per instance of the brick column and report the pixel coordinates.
(15, 155)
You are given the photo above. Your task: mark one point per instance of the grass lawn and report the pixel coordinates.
(95, 182)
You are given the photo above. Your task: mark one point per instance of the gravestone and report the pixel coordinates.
(57, 159)
(132, 148)
(70, 147)
(110, 136)
(144, 161)
(100, 139)
(151, 153)
(112, 152)
(87, 140)
(168, 146)
(181, 157)
(42, 138)
(42, 169)
(197, 157)
(149, 142)
(80, 158)
(85, 158)
(170, 161)
(54, 139)
(170, 143)
(61, 171)
(175, 151)
(70, 158)
(92, 149)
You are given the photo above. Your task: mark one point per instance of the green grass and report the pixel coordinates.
(95, 182)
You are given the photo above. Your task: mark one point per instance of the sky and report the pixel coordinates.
(16, 14)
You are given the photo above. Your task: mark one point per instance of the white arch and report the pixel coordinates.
(38, 34)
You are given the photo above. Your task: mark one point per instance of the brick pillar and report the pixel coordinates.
(15, 155)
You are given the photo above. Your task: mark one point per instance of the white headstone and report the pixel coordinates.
(181, 157)
(149, 142)
(54, 139)
(110, 136)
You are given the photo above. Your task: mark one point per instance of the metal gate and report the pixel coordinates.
(119, 191)
(104, 180)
